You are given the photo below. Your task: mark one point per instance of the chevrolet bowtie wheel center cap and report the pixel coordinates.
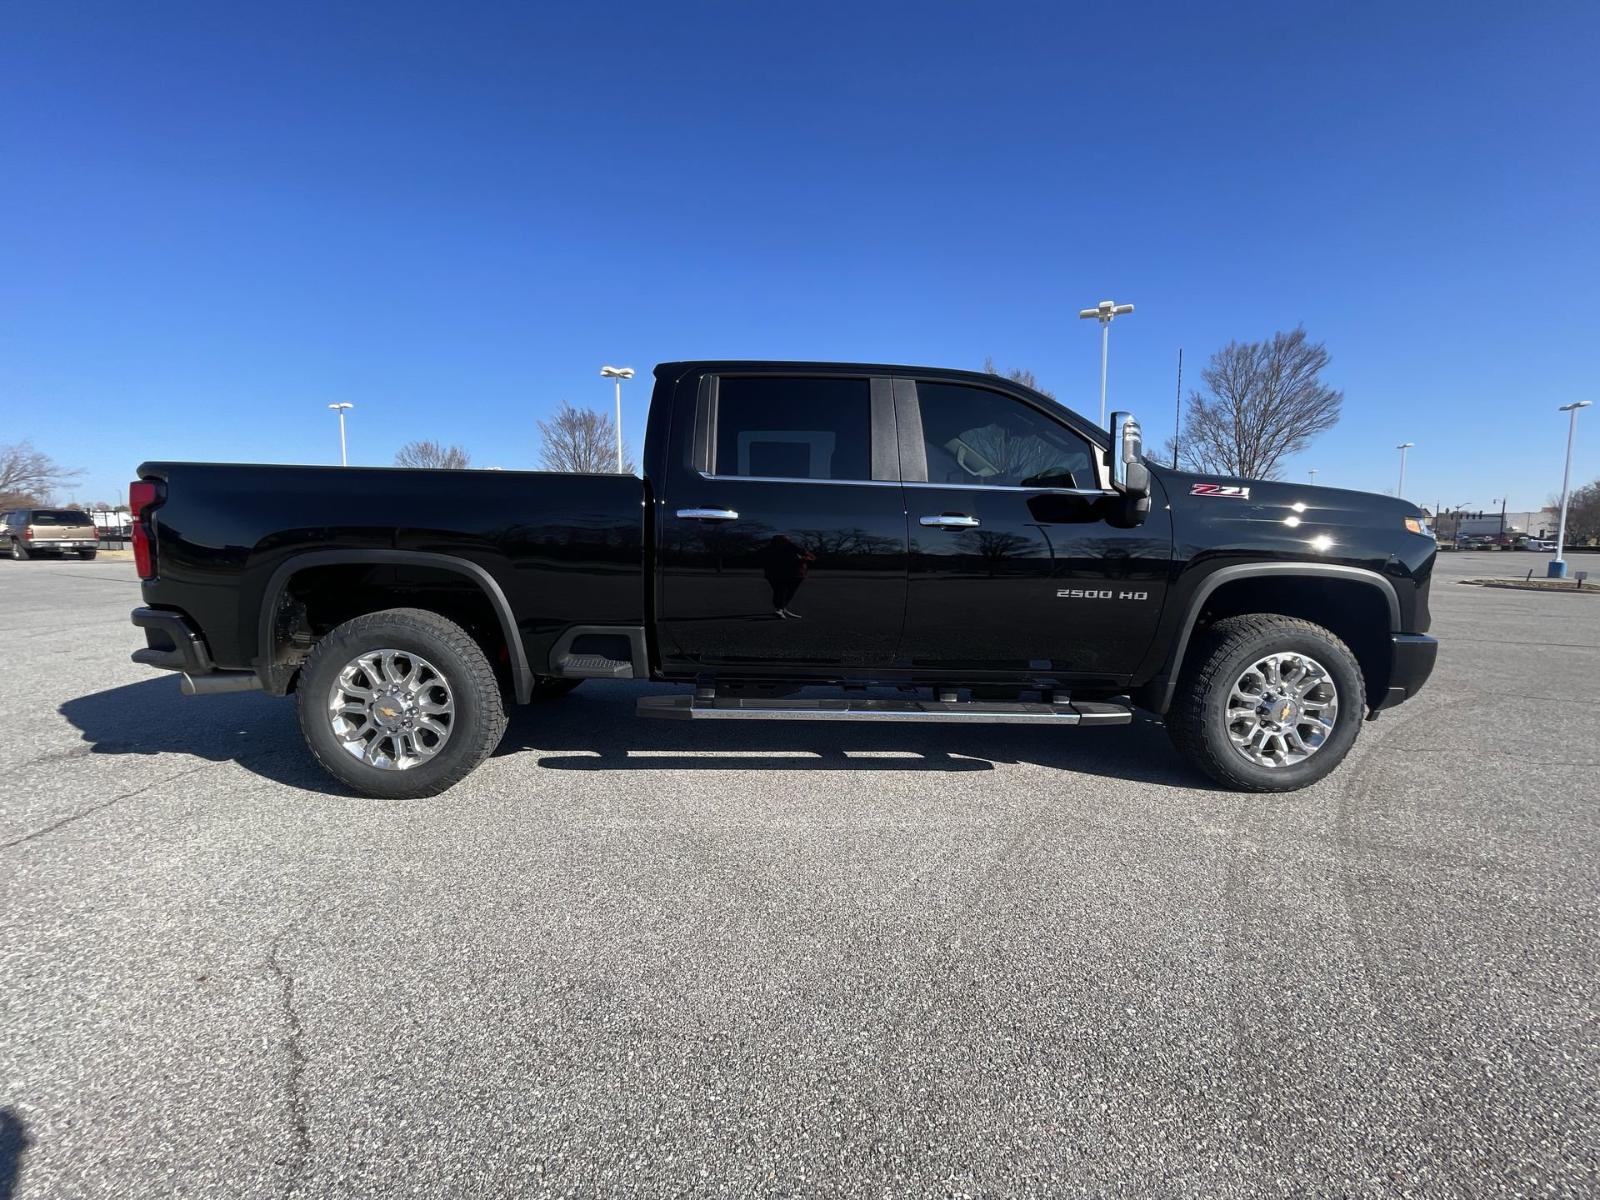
(392, 711)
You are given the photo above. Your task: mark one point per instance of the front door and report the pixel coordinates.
(1016, 564)
(783, 540)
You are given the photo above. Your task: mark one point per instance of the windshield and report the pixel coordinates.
(60, 516)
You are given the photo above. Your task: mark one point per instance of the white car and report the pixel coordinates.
(1542, 544)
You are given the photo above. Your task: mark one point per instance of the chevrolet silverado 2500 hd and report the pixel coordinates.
(809, 540)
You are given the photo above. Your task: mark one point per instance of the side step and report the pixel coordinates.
(993, 712)
(593, 666)
(600, 652)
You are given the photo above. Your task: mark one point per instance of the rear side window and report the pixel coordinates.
(61, 516)
(793, 428)
(978, 437)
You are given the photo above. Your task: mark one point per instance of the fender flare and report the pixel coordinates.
(1225, 575)
(522, 678)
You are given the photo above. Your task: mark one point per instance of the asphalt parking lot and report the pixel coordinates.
(647, 958)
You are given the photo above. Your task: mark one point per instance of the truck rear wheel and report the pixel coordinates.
(1267, 703)
(400, 704)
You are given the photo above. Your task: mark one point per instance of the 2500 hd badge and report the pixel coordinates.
(1099, 594)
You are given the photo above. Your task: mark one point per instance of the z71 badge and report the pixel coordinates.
(1232, 491)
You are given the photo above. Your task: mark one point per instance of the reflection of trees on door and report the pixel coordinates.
(995, 546)
(714, 546)
(834, 544)
(1116, 558)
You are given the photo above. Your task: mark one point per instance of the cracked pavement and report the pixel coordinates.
(645, 958)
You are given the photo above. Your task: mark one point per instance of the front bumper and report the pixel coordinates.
(172, 643)
(1411, 659)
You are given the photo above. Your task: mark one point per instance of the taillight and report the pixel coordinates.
(143, 494)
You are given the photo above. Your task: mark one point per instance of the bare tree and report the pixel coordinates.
(581, 440)
(1583, 512)
(1018, 375)
(29, 477)
(431, 454)
(1263, 402)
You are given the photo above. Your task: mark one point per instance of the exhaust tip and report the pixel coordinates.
(220, 681)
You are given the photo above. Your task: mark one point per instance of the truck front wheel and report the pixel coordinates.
(400, 703)
(1267, 703)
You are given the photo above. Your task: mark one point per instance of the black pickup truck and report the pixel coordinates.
(810, 541)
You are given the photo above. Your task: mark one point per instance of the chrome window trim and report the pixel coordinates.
(1007, 487)
(796, 479)
(957, 487)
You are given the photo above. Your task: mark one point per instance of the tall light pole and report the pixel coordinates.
(344, 459)
(1558, 569)
(1400, 492)
(1502, 502)
(1313, 477)
(618, 374)
(1104, 312)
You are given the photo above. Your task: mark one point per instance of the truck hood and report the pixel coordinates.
(1288, 520)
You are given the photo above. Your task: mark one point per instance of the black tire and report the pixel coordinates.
(86, 555)
(1198, 722)
(18, 551)
(478, 722)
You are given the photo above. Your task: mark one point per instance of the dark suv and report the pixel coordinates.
(30, 531)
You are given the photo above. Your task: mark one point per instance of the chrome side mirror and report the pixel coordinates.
(1129, 475)
(1128, 472)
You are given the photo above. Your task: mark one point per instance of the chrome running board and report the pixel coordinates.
(994, 712)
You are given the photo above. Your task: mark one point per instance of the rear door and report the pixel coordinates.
(1018, 562)
(783, 533)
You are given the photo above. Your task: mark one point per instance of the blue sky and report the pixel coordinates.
(214, 220)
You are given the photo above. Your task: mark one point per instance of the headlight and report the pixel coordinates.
(1419, 525)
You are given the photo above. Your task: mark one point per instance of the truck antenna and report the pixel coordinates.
(1177, 412)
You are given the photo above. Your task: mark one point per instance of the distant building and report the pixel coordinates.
(1531, 524)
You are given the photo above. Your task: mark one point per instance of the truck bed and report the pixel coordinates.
(564, 549)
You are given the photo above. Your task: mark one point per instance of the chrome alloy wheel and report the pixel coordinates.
(1282, 709)
(392, 709)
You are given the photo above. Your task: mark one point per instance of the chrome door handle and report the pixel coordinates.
(708, 514)
(952, 521)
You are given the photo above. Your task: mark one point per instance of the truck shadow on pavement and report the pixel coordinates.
(14, 1143)
(258, 732)
(595, 729)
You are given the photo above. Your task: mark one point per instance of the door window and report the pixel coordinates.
(977, 437)
(792, 428)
